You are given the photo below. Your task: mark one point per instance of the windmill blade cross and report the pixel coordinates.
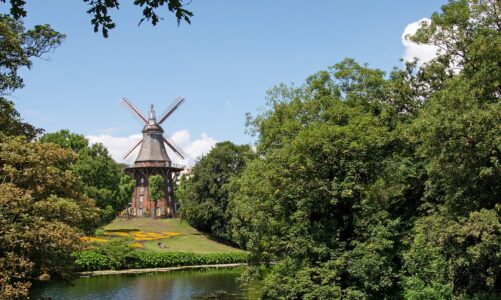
(171, 109)
(134, 111)
(133, 148)
(174, 147)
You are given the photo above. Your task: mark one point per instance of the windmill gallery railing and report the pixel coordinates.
(171, 165)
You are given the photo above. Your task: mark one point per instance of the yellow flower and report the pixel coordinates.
(90, 239)
(171, 233)
(137, 245)
(122, 234)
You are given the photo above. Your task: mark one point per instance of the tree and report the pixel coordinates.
(42, 214)
(457, 130)
(156, 185)
(205, 204)
(125, 189)
(101, 19)
(102, 178)
(11, 123)
(325, 196)
(66, 139)
(374, 186)
(18, 46)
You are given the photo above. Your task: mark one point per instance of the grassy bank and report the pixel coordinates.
(173, 235)
(147, 243)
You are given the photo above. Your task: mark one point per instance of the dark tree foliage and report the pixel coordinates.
(205, 202)
(11, 123)
(370, 186)
(42, 213)
(66, 139)
(100, 11)
(103, 179)
(156, 186)
(43, 210)
(17, 48)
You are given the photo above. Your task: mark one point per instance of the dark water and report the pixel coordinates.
(190, 284)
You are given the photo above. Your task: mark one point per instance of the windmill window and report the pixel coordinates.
(141, 198)
(142, 180)
(142, 189)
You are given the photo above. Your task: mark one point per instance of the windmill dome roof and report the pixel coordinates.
(153, 148)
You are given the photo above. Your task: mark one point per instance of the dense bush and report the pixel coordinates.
(204, 196)
(93, 260)
(375, 186)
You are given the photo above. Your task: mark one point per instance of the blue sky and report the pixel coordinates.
(223, 63)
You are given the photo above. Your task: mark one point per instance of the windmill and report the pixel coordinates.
(153, 159)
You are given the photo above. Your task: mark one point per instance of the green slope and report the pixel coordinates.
(185, 238)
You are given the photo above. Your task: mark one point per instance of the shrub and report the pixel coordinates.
(93, 260)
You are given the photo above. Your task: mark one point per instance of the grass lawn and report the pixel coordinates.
(184, 237)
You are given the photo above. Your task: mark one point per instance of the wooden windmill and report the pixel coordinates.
(153, 159)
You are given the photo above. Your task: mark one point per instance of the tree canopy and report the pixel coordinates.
(156, 186)
(102, 178)
(99, 10)
(204, 202)
(42, 213)
(372, 186)
(18, 47)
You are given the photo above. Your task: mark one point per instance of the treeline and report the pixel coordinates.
(367, 185)
(54, 187)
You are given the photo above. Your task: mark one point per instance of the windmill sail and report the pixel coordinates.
(174, 147)
(133, 148)
(171, 109)
(134, 111)
(153, 159)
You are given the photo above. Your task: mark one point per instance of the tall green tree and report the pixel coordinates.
(156, 185)
(18, 47)
(205, 203)
(42, 213)
(453, 250)
(326, 194)
(371, 186)
(11, 123)
(66, 139)
(103, 179)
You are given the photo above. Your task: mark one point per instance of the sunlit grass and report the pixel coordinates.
(165, 235)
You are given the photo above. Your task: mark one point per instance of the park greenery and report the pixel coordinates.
(156, 185)
(204, 197)
(102, 178)
(120, 257)
(368, 185)
(100, 11)
(362, 185)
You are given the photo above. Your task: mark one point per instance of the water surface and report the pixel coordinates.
(186, 284)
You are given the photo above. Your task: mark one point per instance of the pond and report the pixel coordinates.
(186, 284)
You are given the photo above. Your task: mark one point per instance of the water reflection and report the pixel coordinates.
(200, 284)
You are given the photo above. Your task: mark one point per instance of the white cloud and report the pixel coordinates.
(194, 148)
(424, 53)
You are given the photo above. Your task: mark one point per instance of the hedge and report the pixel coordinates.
(90, 260)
